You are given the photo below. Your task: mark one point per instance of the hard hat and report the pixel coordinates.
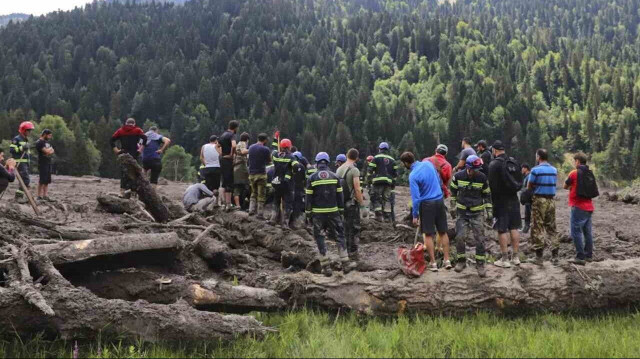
(383, 146)
(473, 162)
(25, 126)
(369, 158)
(297, 155)
(341, 158)
(442, 149)
(322, 156)
(286, 143)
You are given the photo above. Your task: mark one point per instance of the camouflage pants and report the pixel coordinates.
(258, 185)
(543, 218)
(470, 226)
(383, 197)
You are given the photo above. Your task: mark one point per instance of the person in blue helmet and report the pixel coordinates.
(470, 197)
(299, 180)
(383, 173)
(324, 202)
(340, 160)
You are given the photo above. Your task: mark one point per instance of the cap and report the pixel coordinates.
(498, 145)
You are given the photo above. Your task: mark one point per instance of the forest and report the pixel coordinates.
(331, 74)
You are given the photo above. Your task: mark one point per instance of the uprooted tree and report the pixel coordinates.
(173, 280)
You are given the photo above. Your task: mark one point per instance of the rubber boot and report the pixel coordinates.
(379, 216)
(21, 198)
(538, 261)
(326, 266)
(347, 266)
(482, 271)
(461, 265)
(275, 217)
(284, 220)
(260, 211)
(252, 206)
(526, 228)
(555, 260)
(354, 256)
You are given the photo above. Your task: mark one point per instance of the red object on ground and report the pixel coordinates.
(412, 260)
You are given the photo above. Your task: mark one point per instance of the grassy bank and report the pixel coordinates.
(310, 334)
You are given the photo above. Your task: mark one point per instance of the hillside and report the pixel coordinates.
(562, 74)
(4, 19)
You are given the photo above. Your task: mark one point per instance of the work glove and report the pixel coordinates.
(453, 211)
(489, 212)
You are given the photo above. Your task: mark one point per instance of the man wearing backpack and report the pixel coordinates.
(505, 180)
(439, 161)
(353, 202)
(543, 182)
(582, 188)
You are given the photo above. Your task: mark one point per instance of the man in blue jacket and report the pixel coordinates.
(429, 210)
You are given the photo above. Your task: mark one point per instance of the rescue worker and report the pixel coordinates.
(20, 152)
(340, 160)
(283, 185)
(470, 197)
(324, 202)
(299, 181)
(367, 184)
(383, 177)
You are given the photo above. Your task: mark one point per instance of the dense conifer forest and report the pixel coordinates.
(330, 74)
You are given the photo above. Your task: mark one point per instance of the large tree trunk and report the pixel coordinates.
(61, 309)
(146, 193)
(602, 285)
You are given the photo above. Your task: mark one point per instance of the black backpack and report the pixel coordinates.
(512, 175)
(587, 185)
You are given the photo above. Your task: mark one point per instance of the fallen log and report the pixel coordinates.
(603, 285)
(211, 294)
(70, 252)
(52, 229)
(81, 314)
(146, 193)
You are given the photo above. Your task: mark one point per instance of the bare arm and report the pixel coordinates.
(233, 148)
(460, 165)
(202, 155)
(357, 190)
(165, 143)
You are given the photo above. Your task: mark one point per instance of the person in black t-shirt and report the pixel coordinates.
(45, 151)
(227, 148)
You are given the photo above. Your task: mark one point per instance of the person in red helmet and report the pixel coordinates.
(282, 182)
(19, 150)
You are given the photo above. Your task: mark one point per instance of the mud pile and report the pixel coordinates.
(94, 263)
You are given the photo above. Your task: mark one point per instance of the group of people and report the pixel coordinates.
(490, 186)
(486, 187)
(20, 163)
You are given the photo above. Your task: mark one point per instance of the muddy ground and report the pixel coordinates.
(245, 264)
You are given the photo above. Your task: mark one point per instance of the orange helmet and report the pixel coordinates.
(286, 143)
(369, 158)
(25, 126)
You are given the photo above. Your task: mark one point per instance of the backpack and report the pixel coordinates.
(587, 187)
(512, 175)
(346, 192)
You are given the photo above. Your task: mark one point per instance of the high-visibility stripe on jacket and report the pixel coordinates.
(324, 192)
(383, 169)
(470, 193)
(283, 166)
(19, 149)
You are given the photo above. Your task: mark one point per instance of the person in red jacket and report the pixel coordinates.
(443, 167)
(131, 138)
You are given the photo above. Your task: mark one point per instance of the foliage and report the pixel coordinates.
(176, 165)
(310, 334)
(331, 74)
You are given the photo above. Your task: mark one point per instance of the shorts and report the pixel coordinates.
(155, 166)
(45, 173)
(211, 177)
(433, 217)
(507, 215)
(226, 166)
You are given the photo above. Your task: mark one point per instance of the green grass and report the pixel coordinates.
(313, 334)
